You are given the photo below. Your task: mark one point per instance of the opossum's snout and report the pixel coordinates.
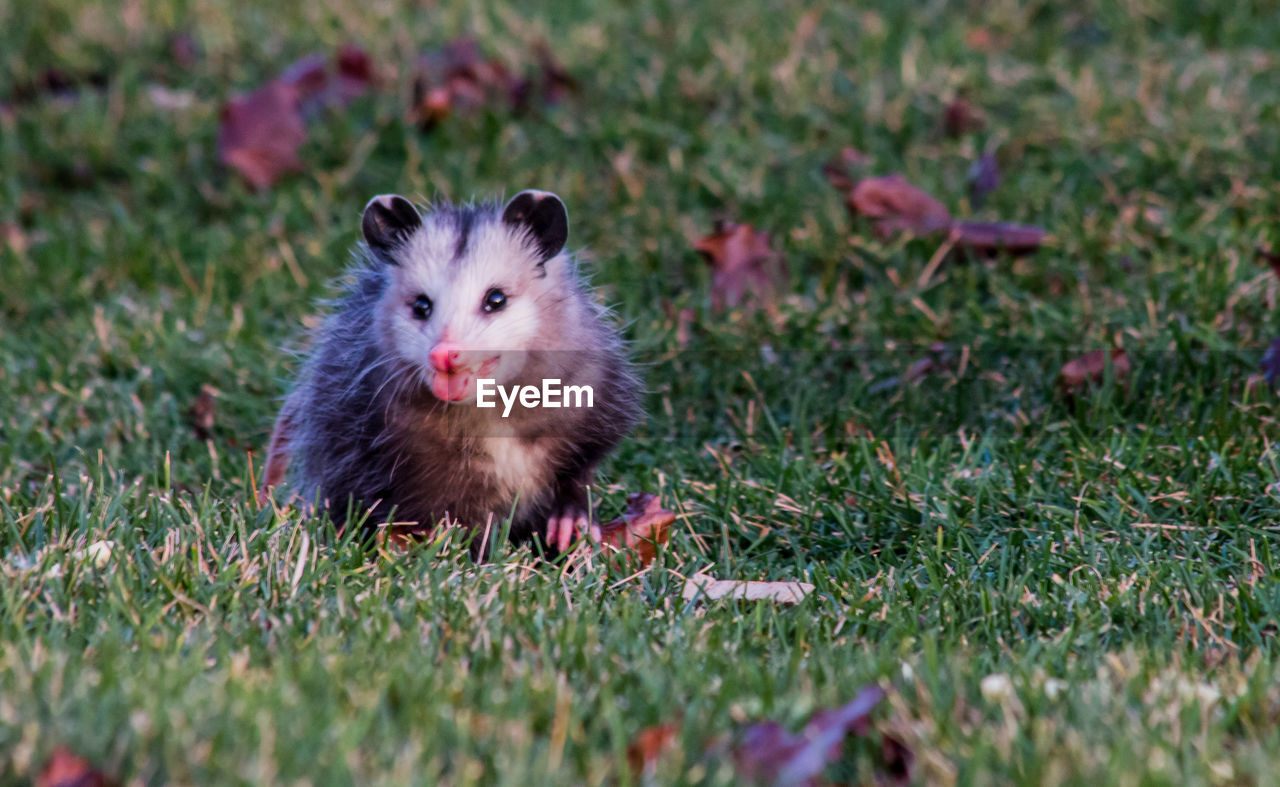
(444, 357)
(456, 370)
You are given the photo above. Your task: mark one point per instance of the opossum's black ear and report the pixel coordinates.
(543, 215)
(388, 220)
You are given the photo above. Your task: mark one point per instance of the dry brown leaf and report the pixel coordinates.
(701, 586)
(261, 133)
(648, 747)
(895, 206)
(1090, 368)
(981, 39)
(684, 321)
(983, 178)
(768, 753)
(355, 73)
(554, 82)
(896, 759)
(66, 769)
(744, 265)
(1271, 363)
(838, 169)
(11, 235)
(57, 82)
(995, 237)
(184, 50)
(201, 413)
(641, 529)
(1272, 258)
(457, 78)
(961, 117)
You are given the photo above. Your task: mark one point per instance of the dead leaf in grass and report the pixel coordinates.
(642, 529)
(896, 206)
(1271, 363)
(59, 83)
(896, 759)
(553, 82)
(261, 133)
(995, 237)
(1090, 368)
(981, 39)
(701, 586)
(201, 412)
(744, 265)
(648, 747)
(960, 117)
(66, 769)
(11, 235)
(1272, 258)
(838, 169)
(184, 50)
(766, 752)
(355, 73)
(983, 178)
(457, 78)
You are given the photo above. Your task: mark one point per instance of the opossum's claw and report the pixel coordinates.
(567, 526)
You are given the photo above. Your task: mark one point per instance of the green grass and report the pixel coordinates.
(969, 524)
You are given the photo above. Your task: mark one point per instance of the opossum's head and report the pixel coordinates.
(471, 289)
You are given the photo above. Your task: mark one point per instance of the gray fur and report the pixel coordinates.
(367, 432)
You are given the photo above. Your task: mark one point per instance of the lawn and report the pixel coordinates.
(1049, 587)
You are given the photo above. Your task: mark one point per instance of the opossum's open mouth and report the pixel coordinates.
(459, 385)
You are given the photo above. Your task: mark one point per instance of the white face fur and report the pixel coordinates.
(471, 290)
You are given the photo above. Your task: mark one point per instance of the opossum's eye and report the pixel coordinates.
(421, 306)
(494, 300)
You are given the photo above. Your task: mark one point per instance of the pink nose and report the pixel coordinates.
(444, 357)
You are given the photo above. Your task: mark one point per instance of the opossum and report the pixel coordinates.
(384, 422)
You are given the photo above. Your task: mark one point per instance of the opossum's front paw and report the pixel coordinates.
(567, 526)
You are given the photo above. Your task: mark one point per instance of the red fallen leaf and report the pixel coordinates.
(897, 759)
(65, 769)
(896, 205)
(457, 78)
(11, 235)
(683, 322)
(744, 264)
(648, 747)
(1091, 367)
(983, 178)
(355, 69)
(960, 117)
(768, 753)
(261, 133)
(308, 76)
(201, 413)
(184, 50)
(980, 39)
(837, 169)
(994, 237)
(555, 83)
(1272, 258)
(1271, 363)
(57, 82)
(642, 528)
